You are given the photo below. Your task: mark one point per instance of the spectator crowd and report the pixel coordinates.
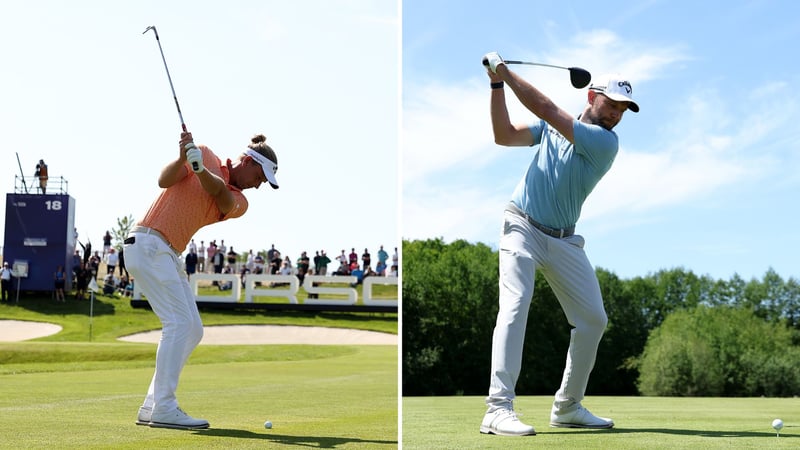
(218, 258)
(86, 266)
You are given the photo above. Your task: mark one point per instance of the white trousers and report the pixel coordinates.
(523, 250)
(158, 273)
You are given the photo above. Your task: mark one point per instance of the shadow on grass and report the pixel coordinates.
(675, 431)
(303, 441)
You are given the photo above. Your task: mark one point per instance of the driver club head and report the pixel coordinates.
(580, 78)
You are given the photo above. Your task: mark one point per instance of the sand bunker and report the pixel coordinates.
(19, 330)
(278, 334)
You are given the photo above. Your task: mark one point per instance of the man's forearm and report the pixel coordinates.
(218, 189)
(171, 173)
(211, 183)
(501, 123)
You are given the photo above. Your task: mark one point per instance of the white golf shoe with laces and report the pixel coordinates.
(579, 418)
(177, 419)
(504, 422)
(144, 416)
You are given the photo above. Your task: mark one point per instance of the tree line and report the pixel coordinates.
(669, 333)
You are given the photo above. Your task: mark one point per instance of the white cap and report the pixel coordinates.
(615, 87)
(267, 165)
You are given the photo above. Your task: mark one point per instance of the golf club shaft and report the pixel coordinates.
(536, 64)
(580, 78)
(178, 106)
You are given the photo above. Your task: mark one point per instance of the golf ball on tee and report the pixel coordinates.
(268, 424)
(777, 424)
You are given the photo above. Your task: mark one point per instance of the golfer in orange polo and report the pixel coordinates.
(198, 189)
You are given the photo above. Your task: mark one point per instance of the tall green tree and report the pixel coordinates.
(625, 335)
(449, 304)
(791, 310)
(727, 292)
(720, 351)
(120, 232)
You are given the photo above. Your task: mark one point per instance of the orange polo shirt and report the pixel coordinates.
(185, 207)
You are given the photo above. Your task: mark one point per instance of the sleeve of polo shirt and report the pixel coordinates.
(536, 130)
(596, 144)
(240, 205)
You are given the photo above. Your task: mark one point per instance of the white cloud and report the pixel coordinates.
(708, 152)
(441, 128)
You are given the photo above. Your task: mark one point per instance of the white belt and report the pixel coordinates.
(153, 232)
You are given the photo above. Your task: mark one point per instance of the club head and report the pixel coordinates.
(580, 78)
(151, 27)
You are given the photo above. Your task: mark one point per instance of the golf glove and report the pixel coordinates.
(492, 60)
(195, 158)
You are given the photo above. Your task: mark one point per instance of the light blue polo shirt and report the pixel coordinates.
(562, 175)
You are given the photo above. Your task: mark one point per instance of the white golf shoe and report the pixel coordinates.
(504, 422)
(177, 419)
(579, 418)
(145, 415)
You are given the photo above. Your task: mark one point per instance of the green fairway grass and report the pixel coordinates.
(342, 398)
(640, 423)
(65, 391)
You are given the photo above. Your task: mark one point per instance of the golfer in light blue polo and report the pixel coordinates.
(570, 157)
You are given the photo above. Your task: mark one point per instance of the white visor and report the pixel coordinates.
(267, 166)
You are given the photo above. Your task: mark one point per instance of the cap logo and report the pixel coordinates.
(626, 85)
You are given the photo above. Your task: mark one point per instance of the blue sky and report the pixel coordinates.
(85, 90)
(707, 173)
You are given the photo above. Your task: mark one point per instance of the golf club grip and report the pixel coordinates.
(189, 146)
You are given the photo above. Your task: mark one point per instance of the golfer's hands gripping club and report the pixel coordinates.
(193, 154)
(195, 158)
(492, 60)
